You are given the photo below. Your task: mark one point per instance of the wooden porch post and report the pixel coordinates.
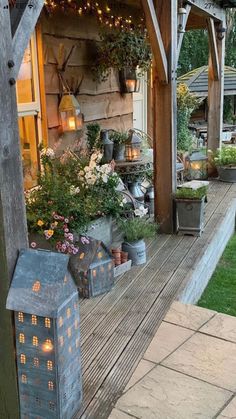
(13, 227)
(215, 84)
(165, 118)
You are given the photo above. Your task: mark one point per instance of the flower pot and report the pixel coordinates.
(136, 252)
(119, 152)
(227, 173)
(190, 216)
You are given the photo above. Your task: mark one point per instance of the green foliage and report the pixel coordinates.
(121, 49)
(228, 110)
(93, 137)
(186, 103)
(226, 156)
(220, 294)
(230, 50)
(119, 137)
(135, 229)
(194, 51)
(188, 193)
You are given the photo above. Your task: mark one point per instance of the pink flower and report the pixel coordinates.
(66, 220)
(33, 245)
(85, 240)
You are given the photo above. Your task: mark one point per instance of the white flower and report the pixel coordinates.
(105, 178)
(74, 190)
(141, 211)
(49, 152)
(81, 173)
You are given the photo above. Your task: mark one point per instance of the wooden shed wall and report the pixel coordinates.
(100, 102)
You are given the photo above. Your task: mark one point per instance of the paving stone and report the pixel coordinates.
(167, 394)
(167, 339)
(188, 315)
(208, 358)
(142, 369)
(117, 414)
(221, 326)
(229, 412)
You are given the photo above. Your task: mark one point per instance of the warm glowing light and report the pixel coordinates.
(71, 123)
(24, 378)
(94, 273)
(60, 321)
(50, 385)
(61, 340)
(47, 346)
(130, 85)
(82, 256)
(34, 320)
(36, 362)
(36, 286)
(35, 341)
(50, 365)
(21, 338)
(47, 322)
(22, 359)
(20, 317)
(68, 312)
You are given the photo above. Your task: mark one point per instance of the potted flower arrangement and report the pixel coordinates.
(119, 139)
(190, 205)
(225, 161)
(135, 230)
(127, 51)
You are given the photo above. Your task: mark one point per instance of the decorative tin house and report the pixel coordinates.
(92, 268)
(45, 301)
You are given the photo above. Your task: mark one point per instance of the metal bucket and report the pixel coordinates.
(136, 251)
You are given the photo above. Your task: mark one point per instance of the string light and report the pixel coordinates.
(103, 12)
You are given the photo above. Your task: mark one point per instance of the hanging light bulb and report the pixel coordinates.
(181, 16)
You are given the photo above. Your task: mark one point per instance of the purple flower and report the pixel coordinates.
(33, 245)
(84, 240)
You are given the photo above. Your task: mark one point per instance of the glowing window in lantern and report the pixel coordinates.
(35, 341)
(94, 273)
(21, 338)
(47, 322)
(36, 286)
(34, 320)
(36, 362)
(22, 359)
(68, 313)
(70, 349)
(82, 256)
(50, 385)
(20, 317)
(50, 365)
(47, 346)
(60, 321)
(61, 340)
(69, 332)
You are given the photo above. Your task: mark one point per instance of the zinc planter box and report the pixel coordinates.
(190, 216)
(227, 174)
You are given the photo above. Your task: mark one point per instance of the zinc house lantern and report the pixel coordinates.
(133, 147)
(197, 165)
(92, 268)
(71, 116)
(44, 299)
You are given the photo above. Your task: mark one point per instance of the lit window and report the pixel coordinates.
(36, 286)
(21, 338)
(20, 317)
(76, 324)
(69, 332)
(50, 385)
(35, 341)
(23, 359)
(77, 343)
(50, 365)
(24, 378)
(36, 362)
(68, 312)
(47, 345)
(34, 320)
(47, 322)
(61, 340)
(60, 321)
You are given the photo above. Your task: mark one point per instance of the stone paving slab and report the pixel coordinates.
(188, 371)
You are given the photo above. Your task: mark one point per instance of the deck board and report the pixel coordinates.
(116, 328)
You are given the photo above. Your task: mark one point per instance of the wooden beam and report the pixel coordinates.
(26, 24)
(216, 97)
(181, 35)
(165, 119)
(207, 8)
(16, 11)
(213, 48)
(13, 228)
(156, 40)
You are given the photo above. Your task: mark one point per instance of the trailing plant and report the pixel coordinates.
(189, 193)
(119, 137)
(186, 103)
(226, 156)
(121, 49)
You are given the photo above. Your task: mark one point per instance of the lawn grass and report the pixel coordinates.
(220, 294)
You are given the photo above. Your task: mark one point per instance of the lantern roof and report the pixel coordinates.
(134, 138)
(198, 155)
(41, 283)
(68, 103)
(87, 257)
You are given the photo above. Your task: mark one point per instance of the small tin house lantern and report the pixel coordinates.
(92, 268)
(197, 166)
(45, 301)
(133, 147)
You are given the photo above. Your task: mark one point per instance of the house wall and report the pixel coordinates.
(100, 102)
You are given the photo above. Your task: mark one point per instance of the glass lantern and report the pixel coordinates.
(133, 147)
(71, 116)
(197, 166)
(181, 17)
(129, 81)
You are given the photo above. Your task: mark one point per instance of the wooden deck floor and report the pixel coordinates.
(117, 328)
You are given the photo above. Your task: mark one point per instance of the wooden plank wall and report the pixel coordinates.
(100, 102)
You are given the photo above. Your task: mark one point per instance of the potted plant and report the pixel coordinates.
(225, 161)
(190, 204)
(135, 230)
(127, 51)
(119, 139)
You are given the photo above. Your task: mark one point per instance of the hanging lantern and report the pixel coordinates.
(197, 166)
(133, 147)
(71, 116)
(129, 81)
(181, 17)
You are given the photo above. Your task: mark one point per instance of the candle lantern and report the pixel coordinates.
(45, 301)
(181, 17)
(197, 166)
(129, 81)
(92, 268)
(133, 147)
(71, 116)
